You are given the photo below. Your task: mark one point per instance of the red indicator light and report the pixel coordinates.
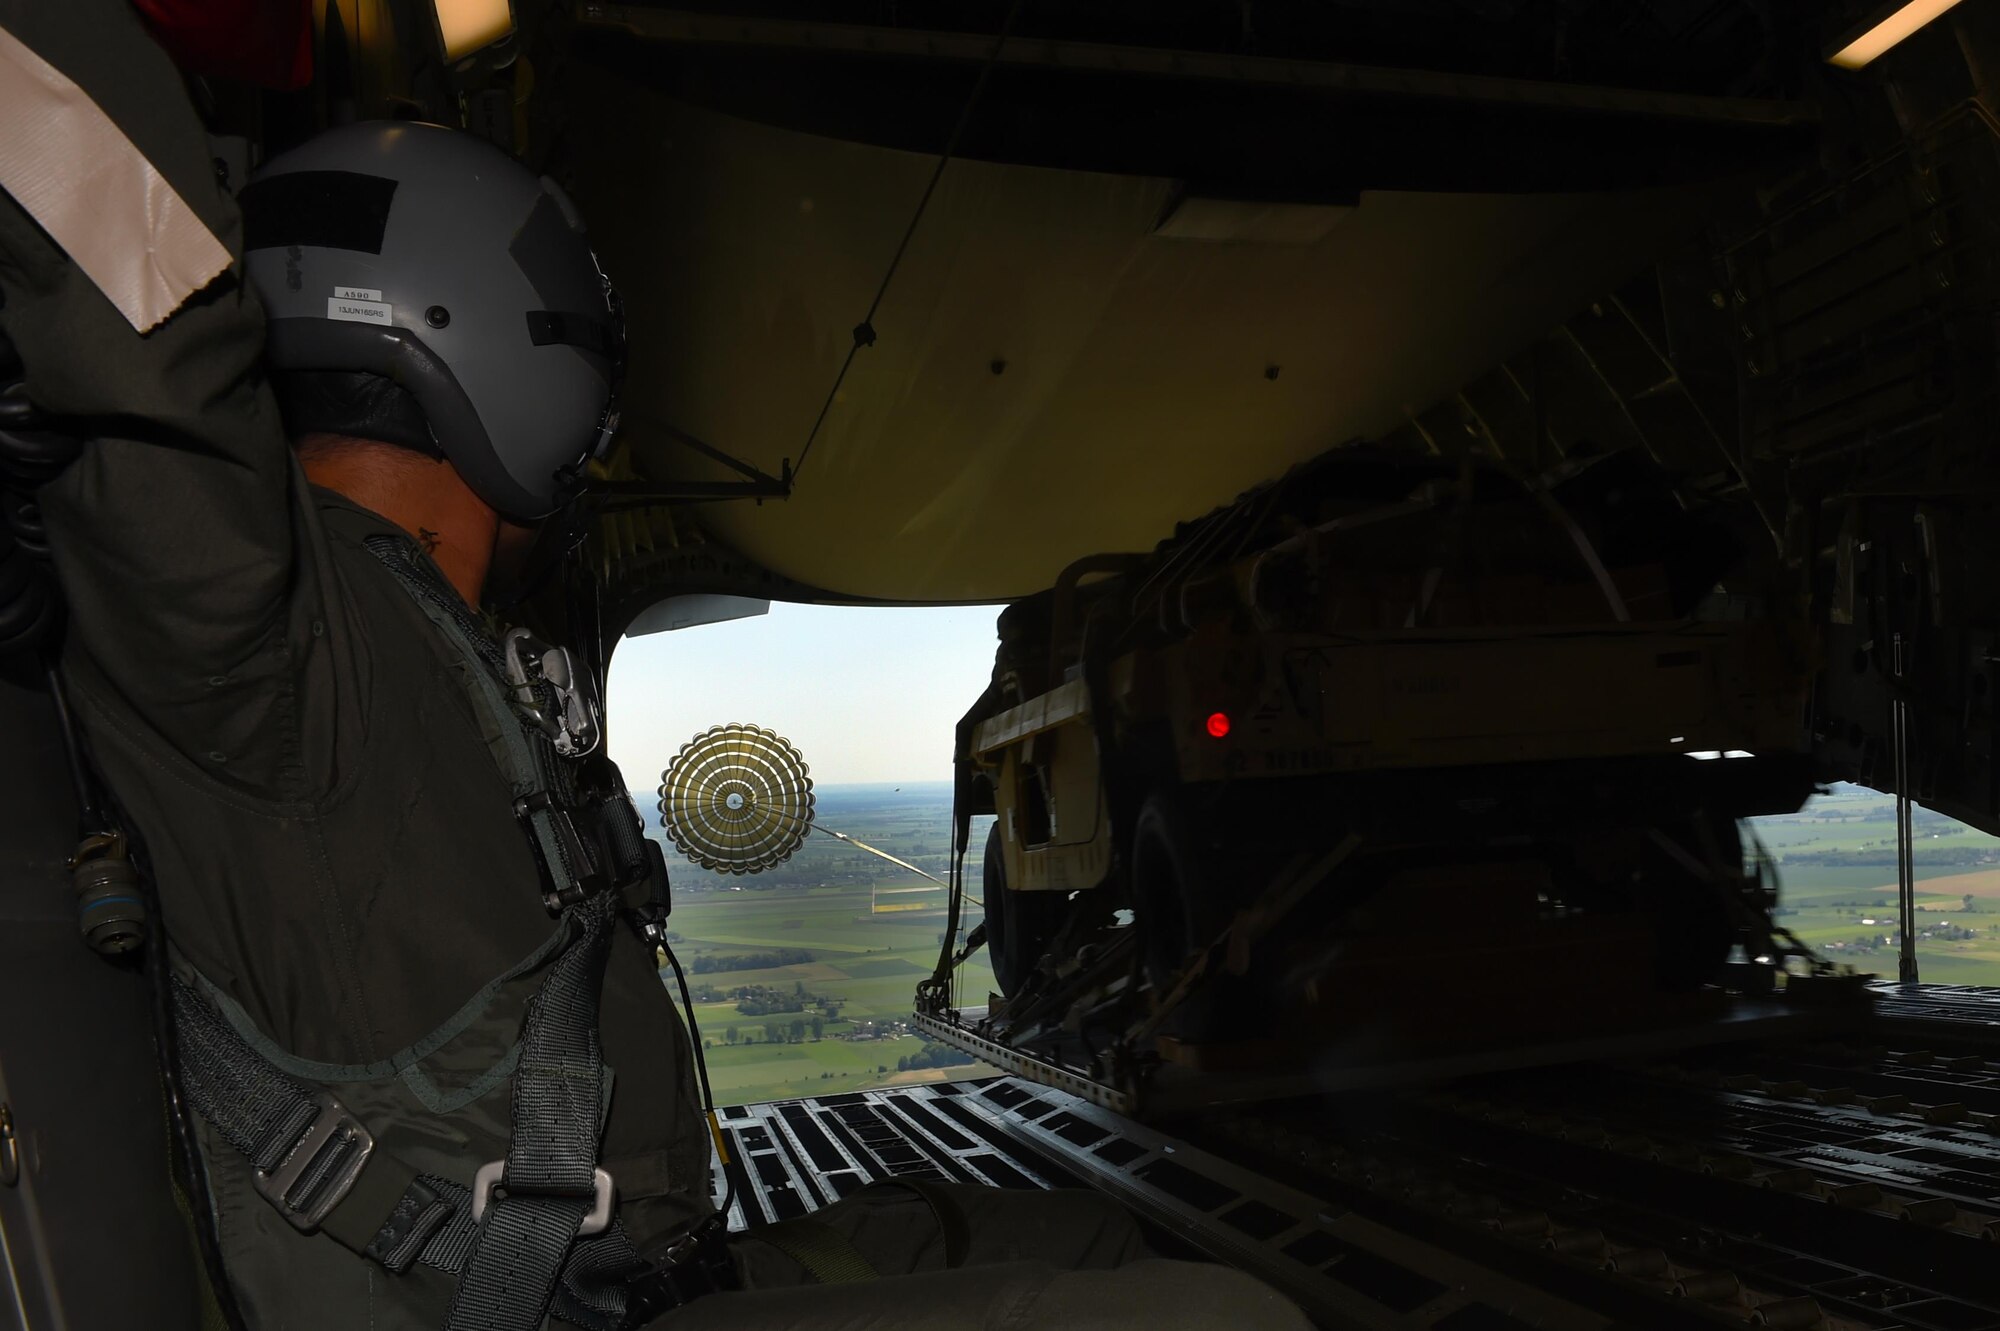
(1218, 724)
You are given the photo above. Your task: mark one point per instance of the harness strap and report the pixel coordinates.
(315, 1161)
(523, 754)
(320, 1166)
(531, 1229)
(550, 1184)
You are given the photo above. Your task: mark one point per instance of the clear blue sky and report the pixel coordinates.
(866, 694)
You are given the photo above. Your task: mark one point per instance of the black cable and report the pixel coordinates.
(864, 332)
(701, 1070)
(88, 816)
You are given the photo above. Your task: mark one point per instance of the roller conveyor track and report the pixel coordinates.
(789, 1157)
(1683, 1176)
(1939, 1004)
(1815, 1178)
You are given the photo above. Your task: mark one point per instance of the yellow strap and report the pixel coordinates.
(826, 1254)
(951, 1222)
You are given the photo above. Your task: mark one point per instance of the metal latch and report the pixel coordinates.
(10, 1148)
(584, 878)
(322, 1165)
(602, 1193)
(574, 730)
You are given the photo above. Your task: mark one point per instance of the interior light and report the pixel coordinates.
(1218, 724)
(1882, 30)
(466, 26)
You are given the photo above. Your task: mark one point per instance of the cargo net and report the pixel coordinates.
(737, 799)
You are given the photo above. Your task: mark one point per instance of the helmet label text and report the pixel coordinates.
(359, 311)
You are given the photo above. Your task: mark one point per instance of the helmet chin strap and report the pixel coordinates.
(556, 538)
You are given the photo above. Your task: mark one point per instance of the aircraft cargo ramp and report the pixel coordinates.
(1805, 1177)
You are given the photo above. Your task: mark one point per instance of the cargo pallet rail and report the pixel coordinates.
(1808, 1174)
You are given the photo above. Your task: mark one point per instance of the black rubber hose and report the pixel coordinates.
(22, 517)
(30, 606)
(30, 610)
(30, 455)
(701, 1069)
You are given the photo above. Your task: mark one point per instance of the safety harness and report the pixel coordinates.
(535, 1232)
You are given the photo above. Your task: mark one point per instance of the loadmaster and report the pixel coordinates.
(289, 439)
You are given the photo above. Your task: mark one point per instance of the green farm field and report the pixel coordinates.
(850, 968)
(1836, 861)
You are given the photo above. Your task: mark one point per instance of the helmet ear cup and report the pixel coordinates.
(402, 358)
(431, 259)
(352, 403)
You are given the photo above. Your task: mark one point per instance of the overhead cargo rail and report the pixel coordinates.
(695, 27)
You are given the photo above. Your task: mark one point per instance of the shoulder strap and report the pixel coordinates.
(314, 1161)
(321, 1168)
(548, 1191)
(569, 871)
(532, 1207)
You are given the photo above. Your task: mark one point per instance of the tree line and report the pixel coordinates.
(707, 963)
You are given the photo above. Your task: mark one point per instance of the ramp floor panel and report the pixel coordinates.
(1812, 1170)
(791, 1157)
(788, 1157)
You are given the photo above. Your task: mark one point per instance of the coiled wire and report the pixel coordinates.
(31, 623)
(30, 454)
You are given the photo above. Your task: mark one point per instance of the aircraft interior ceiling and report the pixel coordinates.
(921, 315)
(1089, 333)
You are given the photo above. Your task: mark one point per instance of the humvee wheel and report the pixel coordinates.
(1693, 930)
(1179, 908)
(1019, 925)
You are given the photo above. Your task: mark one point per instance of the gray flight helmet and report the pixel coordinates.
(430, 257)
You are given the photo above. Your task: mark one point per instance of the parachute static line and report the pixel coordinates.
(863, 845)
(739, 799)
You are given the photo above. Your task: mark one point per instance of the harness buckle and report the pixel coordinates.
(490, 1176)
(584, 878)
(693, 1265)
(320, 1168)
(574, 729)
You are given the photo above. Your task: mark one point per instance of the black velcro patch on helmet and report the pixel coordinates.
(589, 331)
(334, 210)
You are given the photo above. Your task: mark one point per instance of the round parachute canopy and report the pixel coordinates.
(737, 799)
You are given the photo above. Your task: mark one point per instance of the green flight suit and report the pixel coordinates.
(333, 843)
(335, 848)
